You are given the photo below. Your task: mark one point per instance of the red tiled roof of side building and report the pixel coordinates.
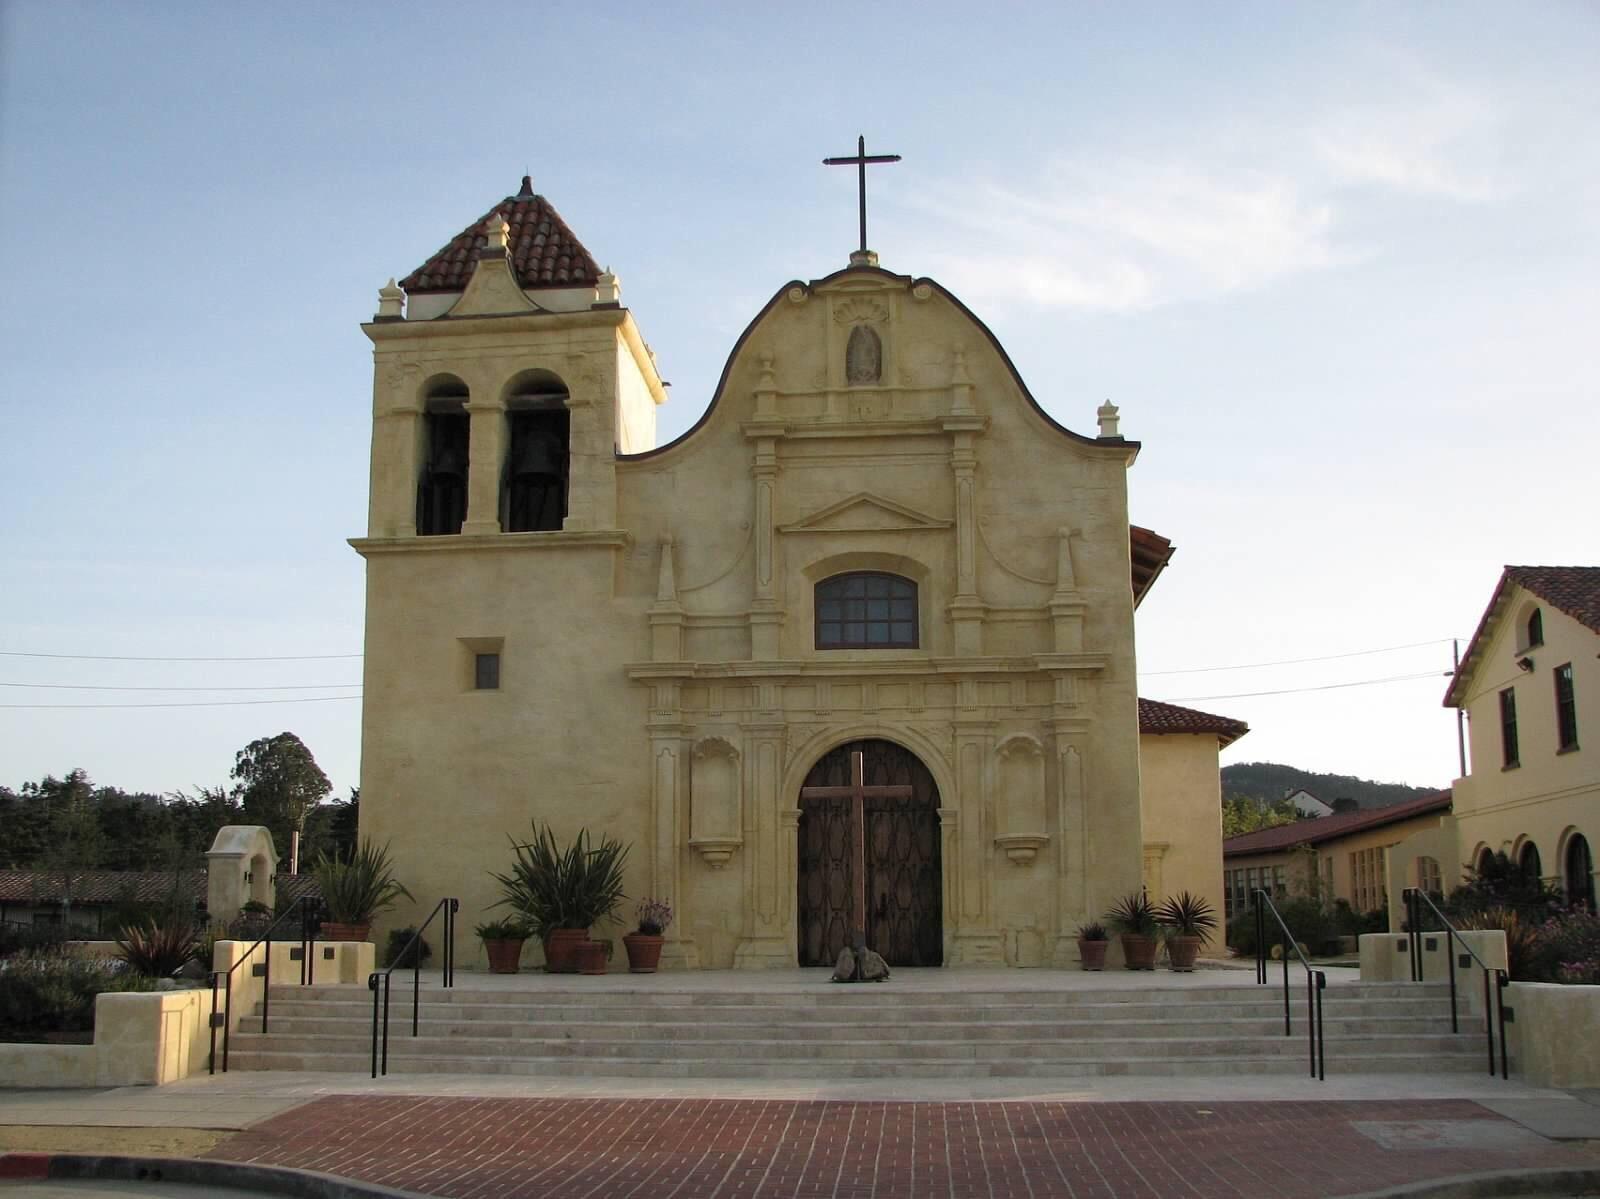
(1574, 590)
(1149, 552)
(1316, 830)
(116, 886)
(1157, 717)
(544, 251)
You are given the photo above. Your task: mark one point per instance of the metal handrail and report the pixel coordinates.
(386, 975)
(307, 973)
(1316, 982)
(1494, 1014)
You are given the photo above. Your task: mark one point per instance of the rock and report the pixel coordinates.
(873, 968)
(844, 970)
(193, 971)
(166, 984)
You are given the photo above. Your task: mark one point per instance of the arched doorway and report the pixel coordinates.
(900, 856)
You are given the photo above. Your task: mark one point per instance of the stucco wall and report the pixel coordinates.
(1181, 798)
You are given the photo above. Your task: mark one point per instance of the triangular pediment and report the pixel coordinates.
(865, 512)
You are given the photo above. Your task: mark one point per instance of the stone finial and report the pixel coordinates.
(958, 368)
(391, 302)
(1066, 577)
(1109, 418)
(608, 290)
(496, 234)
(666, 579)
(863, 258)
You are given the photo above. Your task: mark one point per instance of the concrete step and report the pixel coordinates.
(529, 1028)
(597, 1066)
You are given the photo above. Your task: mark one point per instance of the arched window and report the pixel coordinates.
(1528, 861)
(1580, 872)
(1484, 866)
(1535, 629)
(533, 493)
(442, 482)
(866, 610)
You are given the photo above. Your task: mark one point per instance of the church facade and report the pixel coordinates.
(875, 542)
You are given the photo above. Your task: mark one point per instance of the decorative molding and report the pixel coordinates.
(716, 852)
(613, 539)
(983, 536)
(1021, 848)
(907, 519)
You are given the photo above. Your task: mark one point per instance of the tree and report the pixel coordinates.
(1244, 814)
(279, 783)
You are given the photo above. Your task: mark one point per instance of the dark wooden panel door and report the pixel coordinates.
(901, 857)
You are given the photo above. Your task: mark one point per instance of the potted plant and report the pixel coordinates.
(1134, 917)
(356, 889)
(502, 941)
(644, 943)
(1186, 922)
(561, 891)
(593, 956)
(1093, 941)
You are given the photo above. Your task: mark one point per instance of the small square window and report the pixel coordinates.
(486, 672)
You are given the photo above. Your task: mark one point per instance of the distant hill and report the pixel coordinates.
(1269, 782)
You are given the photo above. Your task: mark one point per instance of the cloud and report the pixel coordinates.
(1421, 136)
(1126, 235)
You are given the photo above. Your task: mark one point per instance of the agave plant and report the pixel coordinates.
(157, 950)
(1186, 915)
(1133, 915)
(357, 889)
(554, 886)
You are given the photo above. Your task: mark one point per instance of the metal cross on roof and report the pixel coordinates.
(860, 160)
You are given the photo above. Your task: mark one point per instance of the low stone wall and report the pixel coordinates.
(156, 1037)
(1386, 958)
(1552, 1031)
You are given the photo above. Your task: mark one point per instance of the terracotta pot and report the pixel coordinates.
(1138, 953)
(1182, 952)
(591, 957)
(561, 950)
(1093, 954)
(503, 955)
(334, 931)
(644, 952)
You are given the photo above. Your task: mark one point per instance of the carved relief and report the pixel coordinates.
(715, 828)
(858, 309)
(863, 357)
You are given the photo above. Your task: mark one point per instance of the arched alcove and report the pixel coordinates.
(443, 457)
(536, 480)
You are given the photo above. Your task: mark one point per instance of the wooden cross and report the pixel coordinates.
(858, 793)
(860, 160)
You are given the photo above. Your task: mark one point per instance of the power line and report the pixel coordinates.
(1360, 653)
(125, 658)
(220, 703)
(1398, 678)
(101, 687)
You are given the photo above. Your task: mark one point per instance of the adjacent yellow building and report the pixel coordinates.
(875, 542)
(1529, 684)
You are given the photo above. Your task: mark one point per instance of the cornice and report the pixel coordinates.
(493, 542)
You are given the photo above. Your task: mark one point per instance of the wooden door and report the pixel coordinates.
(901, 859)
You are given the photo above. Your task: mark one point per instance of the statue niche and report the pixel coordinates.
(863, 356)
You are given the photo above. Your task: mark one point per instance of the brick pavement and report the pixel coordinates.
(498, 1148)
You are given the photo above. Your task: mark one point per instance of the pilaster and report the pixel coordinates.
(394, 463)
(486, 450)
(976, 942)
(766, 616)
(770, 845)
(669, 821)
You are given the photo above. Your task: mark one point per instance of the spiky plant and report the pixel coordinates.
(1186, 915)
(157, 950)
(1133, 915)
(554, 886)
(358, 888)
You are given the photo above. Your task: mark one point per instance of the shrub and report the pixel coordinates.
(1308, 922)
(45, 993)
(1502, 883)
(157, 950)
(398, 953)
(30, 938)
(357, 889)
(554, 886)
(1567, 949)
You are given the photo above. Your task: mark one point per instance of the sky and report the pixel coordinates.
(1336, 264)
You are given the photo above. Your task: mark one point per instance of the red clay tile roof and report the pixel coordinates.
(544, 252)
(1151, 552)
(114, 886)
(1315, 830)
(1574, 590)
(1157, 717)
